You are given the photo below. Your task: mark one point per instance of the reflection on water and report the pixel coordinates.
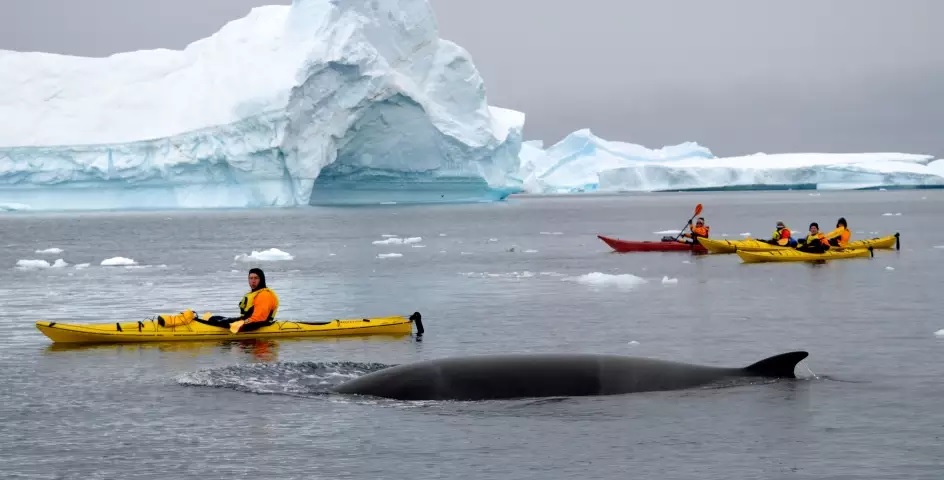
(255, 349)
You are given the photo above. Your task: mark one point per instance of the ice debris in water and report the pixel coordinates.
(29, 264)
(389, 255)
(51, 251)
(552, 233)
(668, 281)
(889, 214)
(270, 255)
(939, 333)
(82, 265)
(745, 234)
(633, 342)
(524, 274)
(625, 280)
(117, 261)
(667, 232)
(889, 268)
(398, 241)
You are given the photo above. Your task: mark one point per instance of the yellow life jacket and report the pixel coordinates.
(245, 305)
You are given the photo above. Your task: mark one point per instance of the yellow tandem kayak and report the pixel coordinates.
(752, 245)
(151, 330)
(791, 255)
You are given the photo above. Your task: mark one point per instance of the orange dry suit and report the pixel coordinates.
(839, 237)
(259, 306)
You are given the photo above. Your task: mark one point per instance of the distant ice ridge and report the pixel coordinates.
(583, 162)
(322, 101)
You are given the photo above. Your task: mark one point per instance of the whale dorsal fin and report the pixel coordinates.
(781, 366)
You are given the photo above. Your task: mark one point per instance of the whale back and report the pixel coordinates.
(549, 375)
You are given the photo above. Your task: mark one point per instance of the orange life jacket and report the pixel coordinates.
(843, 233)
(701, 231)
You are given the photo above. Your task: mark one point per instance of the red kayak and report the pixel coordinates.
(624, 246)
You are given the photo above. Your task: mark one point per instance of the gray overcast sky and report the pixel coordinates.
(736, 76)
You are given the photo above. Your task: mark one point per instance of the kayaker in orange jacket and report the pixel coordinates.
(257, 308)
(841, 235)
(815, 242)
(698, 230)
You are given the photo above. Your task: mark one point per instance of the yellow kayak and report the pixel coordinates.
(194, 328)
(754, 245)
(791, 255)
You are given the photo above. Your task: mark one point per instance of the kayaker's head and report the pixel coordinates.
(256, 279)
(780, 225)
(814, 228)
(842, 223)
(700, 222)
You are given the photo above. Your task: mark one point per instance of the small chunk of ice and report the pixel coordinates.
(624, 280)
(270, 255)
(50, 251)
(398, 241)
(117, 261)
(30, 264)
(389, 255)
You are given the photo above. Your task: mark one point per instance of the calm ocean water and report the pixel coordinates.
(524, 275)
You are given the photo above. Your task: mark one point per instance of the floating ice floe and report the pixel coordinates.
(270, 255)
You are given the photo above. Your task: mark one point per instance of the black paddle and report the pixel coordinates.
(697, 211)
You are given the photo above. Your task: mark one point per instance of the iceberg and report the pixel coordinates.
(583, 162)
(331, 102)
(319, 102)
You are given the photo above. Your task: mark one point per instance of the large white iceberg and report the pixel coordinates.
(333, 102)
(360, 97)
(583, 162)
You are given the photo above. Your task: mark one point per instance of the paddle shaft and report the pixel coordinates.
(689, 222)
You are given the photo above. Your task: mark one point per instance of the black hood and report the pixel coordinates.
(262, 283)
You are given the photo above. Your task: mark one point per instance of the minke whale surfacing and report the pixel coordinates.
(508, 376)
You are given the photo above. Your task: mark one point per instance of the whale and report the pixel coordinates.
(537, 375)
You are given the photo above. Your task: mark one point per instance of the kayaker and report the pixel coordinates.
(841, 235)
(815, 242)
(699, 230)
(782, 236)
(257, 308)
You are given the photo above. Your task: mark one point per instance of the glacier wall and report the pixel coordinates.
(583, 162)
(328, 92)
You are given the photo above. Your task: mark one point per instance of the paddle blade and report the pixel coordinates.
(234, 327)
(697, 210)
